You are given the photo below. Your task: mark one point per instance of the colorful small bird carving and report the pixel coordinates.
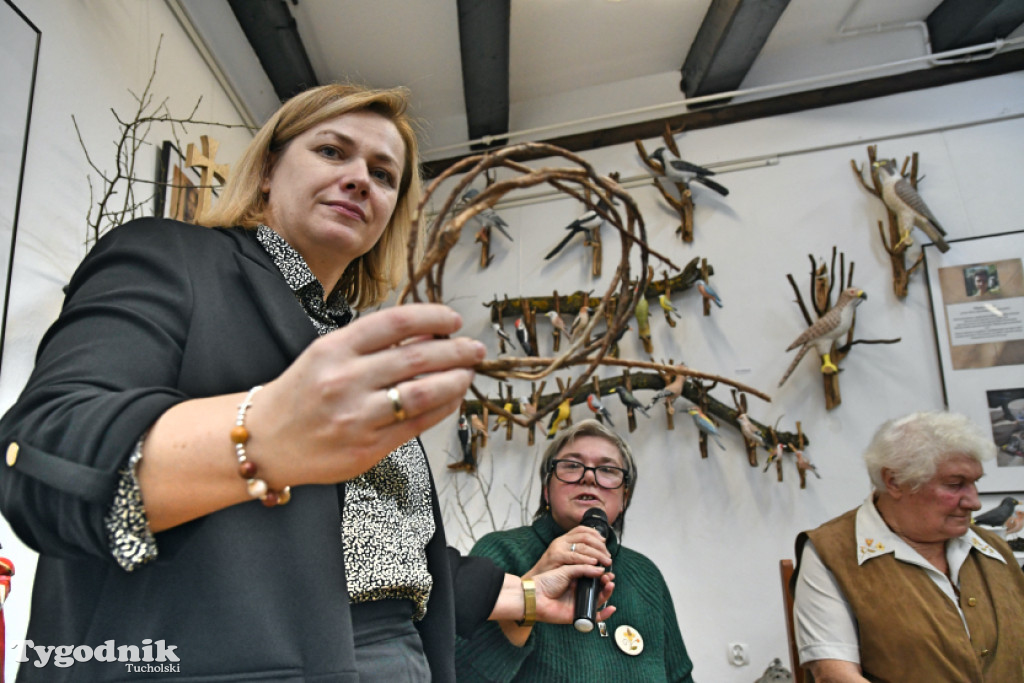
(666, 304)
(903, 200)
(679, 171)
(556, 321)
(803, 464)
(502, 420)
(594, 403)
(559, 417)
(774, 455)
(628, 399)
(708, 292)
(670, 393)
(826, 330)
(705, 424)
(579, 323)
(523, 335)
(749, 430)
(643, 322)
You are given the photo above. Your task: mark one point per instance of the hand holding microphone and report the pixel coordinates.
(587, 587)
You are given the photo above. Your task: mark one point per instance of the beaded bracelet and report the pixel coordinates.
(256, 487)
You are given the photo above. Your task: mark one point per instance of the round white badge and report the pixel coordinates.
(629, 640)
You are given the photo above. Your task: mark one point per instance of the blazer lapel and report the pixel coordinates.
(283, 314)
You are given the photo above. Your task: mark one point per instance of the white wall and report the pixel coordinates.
(717, 528)
(91, 55)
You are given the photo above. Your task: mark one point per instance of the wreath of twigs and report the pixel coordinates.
(584, 184)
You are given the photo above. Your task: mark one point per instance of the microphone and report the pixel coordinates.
(587, 587)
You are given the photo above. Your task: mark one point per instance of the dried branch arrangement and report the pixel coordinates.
(119, 198)
(896, 244)
(825, 332)
(615, 307)
(669, 382)
(555, 306)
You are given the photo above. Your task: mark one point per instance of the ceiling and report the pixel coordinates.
(547, 69)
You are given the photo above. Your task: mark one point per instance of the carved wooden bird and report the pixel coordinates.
(556, 321)
(586, 224)
(503, 334)
(487, 217)
(642, 312)
(523, 335)
(826, 330)
(708, 292)
(628, 399)
(679, 171)
(670, 393)
(594, 403)
(903, 200)
(705, 424)
(998, 515)
(579, 323)
(559, 417)
(749, 430)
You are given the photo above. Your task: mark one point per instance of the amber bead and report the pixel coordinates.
(239, 434)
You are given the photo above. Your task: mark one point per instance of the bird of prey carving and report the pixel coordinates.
(586, 224)
(487, 217)
(903, 200)
(826, 330)
(998, 515)
(679, 171)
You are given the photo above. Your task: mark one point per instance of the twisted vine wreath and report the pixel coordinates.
(616, 306)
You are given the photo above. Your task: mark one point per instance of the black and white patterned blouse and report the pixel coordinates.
(387, 519)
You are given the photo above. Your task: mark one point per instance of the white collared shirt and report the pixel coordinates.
(825, 625)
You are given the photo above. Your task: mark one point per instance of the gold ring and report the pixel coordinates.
(396, 403)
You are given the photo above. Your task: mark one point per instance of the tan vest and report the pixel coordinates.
(909, 630)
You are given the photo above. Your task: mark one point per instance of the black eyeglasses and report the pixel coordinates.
(572, 472)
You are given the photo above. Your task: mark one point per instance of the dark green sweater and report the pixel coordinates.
(556, 653)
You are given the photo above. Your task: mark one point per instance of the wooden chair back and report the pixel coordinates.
(786, 571)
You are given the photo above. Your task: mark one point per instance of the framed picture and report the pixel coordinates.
(976, 291)
(179, 185)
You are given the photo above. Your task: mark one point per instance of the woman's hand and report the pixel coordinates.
(328, 418)
(581, 545)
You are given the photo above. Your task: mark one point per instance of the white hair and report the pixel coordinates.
(912, 447)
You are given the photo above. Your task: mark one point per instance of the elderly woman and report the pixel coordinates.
(903, 588)
(587, 466)
(218, 463)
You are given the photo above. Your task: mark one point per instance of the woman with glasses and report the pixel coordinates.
(587, 466)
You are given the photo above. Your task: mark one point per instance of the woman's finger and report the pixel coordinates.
(391, 326)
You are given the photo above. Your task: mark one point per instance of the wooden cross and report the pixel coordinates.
(208, 169)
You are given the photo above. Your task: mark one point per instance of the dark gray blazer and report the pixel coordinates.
(161, 312)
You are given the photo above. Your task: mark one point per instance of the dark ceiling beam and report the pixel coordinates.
(484, 47)
(273, 34)
(962, 23)
(727, 43)
(721, 115)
